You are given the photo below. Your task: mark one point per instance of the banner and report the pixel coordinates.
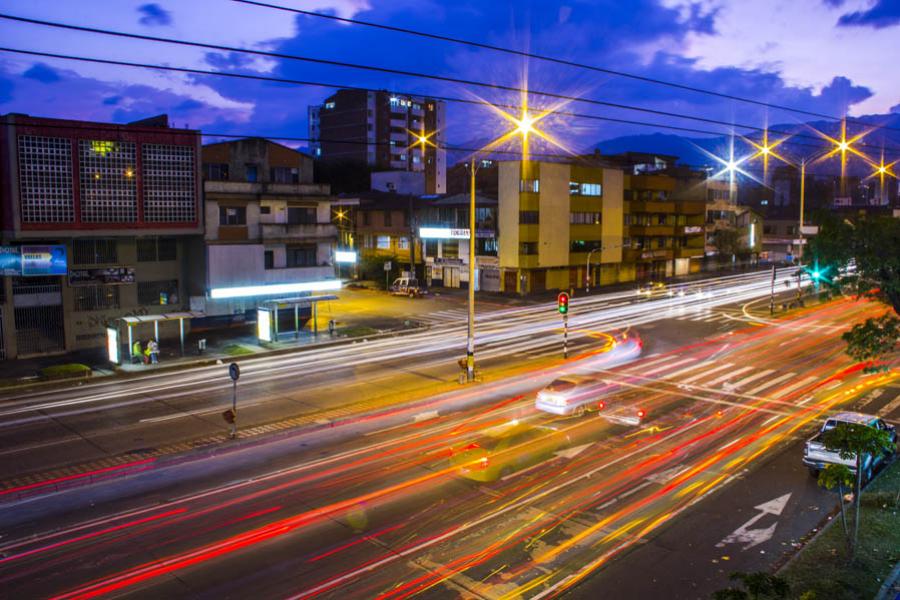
(10, 261)
(43, 260)
(106, 275)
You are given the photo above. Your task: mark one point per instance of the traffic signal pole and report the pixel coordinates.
(470, 341)
(566, 335)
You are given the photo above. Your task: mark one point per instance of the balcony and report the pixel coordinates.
(233, 233)
(641, 206)
(279, 189)
(689, 252)
(651, 230)
(646, 254)
(297, 231)
(686, 207)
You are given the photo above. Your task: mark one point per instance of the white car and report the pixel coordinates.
(572, 394)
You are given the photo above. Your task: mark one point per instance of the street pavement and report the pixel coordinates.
(374, 509)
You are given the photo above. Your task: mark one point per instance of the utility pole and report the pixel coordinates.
(802, 206)
(587, 270)
(412, 240)
(470, 342)
(772, 297)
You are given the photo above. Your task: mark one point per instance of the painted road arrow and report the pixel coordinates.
(571, 452)
(754, 537)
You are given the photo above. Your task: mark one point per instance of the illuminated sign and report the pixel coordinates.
(263, 325)
(693, 229)
(275, 288)
(43, 260)
(112, 344)
(443, 233)
(10, 261)
(752, 234)
(345, 256)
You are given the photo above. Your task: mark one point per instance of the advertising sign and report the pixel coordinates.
(43, 260)
(109, 275)
(443, 233)
(10, 260)
(112, 344)
(263, 325)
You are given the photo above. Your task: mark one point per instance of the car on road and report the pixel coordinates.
(505, 449)
(572, 395)
(407, 286)
(652, 289)
(816, 456)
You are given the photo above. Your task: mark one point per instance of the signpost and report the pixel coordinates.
(772, 296)
(230, 416)
(387, 271)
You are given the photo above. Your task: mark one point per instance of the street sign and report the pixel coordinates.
(387, 266)
(234, 371)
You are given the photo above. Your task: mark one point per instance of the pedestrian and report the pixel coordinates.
(154, 351)
(136, 353)
(147, 353)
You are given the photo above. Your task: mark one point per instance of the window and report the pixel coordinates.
(170, 186)
(94, 252)
(152, 293)
(529, 185)
(269, 259)
(301, 256)
(250, 172)
(215, 171)
(574, 188)
(96, 297)
(156, 249)
(388, 221)
(584, 245)
(528, 248)
(265, 209)
(45, 179)
(383, 242)
(767, 230)
(329, 105)
(232, 215)
(301, 215)
(365, 217)
(108, 186)
(403, 243)
(584, 218)
(285, 175)
(529, 217)
(626, 242)
(591, 189)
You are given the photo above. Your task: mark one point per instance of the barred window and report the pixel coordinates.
(529, 185)
(157, 292)
(584, 218)
(528, 248)
(108, 188)
(301, 256)
(216, 171)
(154, 249)
(284, 175)
(94, 251)
(169, 184)
(45, 179)
(96, 297)
(529, 217)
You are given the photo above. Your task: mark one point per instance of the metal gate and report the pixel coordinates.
(38, 315)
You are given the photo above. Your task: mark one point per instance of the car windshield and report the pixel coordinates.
(561, 385)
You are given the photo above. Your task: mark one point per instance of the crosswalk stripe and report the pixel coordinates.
(655, 370)
(694, 378)
(726, 376)
(770, 383)
(796, 386)
(687, 369)
(657, 361)
(752, 378)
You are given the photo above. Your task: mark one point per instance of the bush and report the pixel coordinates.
(67, 371)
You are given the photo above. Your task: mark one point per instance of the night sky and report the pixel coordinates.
(830, 56)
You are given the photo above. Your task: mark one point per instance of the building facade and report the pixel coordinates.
(267, 226)
(381, 130)
(97, 223)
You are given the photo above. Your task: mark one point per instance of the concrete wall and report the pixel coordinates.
(553, 228)
(613, 216)
(508, 220)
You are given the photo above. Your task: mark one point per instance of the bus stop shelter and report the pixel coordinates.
(132, 322)
(267, 315)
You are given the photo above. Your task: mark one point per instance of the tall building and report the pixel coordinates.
(379, 130)
(269, 228)
(96, 224)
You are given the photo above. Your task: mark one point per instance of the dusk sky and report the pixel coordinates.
(827, 56)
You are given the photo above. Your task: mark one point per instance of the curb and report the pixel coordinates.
(890, 586)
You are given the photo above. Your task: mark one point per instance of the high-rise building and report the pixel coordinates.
(97, 220)
(381, 130)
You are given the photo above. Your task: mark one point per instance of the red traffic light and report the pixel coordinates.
(562, 303)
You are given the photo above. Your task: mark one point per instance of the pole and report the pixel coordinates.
(587, 271)
(234, 407)
(566, 335)
(800, 287)
(802, 206)
(470, 342)
(772, 297)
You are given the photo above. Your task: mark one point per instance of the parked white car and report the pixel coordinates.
(816, 456)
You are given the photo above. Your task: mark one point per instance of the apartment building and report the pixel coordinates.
(96, 222)
(269, 229)
(613, 219)
(380, 130)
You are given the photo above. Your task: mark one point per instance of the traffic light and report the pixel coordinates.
(562, 303)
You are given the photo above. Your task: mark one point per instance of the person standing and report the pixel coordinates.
(136, 353)
(153, 347)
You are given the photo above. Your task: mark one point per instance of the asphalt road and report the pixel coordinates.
(378, 511)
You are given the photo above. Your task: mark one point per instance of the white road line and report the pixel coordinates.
(655, 370)
(752, 378)
(727, 376)
(658, 361)
(795, 386)
(770, 383)
(694, 378)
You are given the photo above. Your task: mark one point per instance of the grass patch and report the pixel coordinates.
(824, 567)
(236, 350)
(67, 371)
(357, 331)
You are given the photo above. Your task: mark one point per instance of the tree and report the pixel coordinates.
(727, 242)
(756, 586)
(839, 476)
(873, 245)
(857, 442)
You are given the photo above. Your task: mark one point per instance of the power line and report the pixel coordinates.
(381, 69)
(552, 59)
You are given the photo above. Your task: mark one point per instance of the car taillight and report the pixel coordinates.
(601, 405)
(641, 413)
(482, 462)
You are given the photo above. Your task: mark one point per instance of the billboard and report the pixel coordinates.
(43, 260)
(106, 275)
(10, 260)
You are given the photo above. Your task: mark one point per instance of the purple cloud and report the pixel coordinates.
(154, 14)
(43, 73)
(112, 100)
(883, 14)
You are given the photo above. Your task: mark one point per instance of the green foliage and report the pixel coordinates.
(756, 586)
(872, 242)
(835, 476)
(236, 350)
(66, 371)
(371, 267)
(727, 242)
(853, 440)
(873, 339)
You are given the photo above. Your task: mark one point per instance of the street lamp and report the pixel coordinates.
(587, 274)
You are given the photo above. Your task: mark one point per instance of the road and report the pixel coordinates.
(379, 512)
(95, 421)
